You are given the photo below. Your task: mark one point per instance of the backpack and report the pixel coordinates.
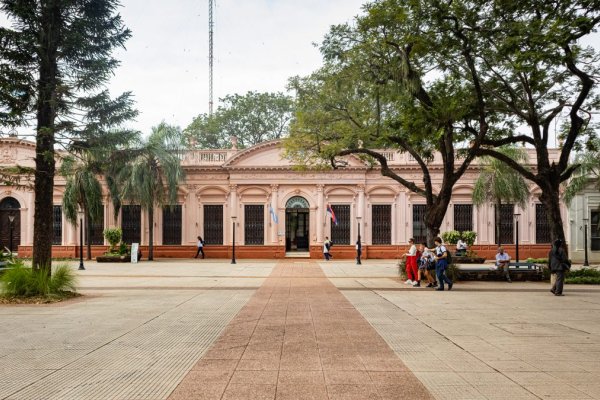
(448, 257)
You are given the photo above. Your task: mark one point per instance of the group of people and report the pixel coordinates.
(427, 264)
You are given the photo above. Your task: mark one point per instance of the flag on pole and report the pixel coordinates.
(273, 214)
(331, 214)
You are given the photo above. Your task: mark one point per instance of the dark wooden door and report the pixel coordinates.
(10, 207)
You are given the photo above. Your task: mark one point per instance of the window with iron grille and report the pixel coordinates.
(97, 230)
(131, 223)
(542, 227)
(213, 224)
(419, 230)
(57, 225)
(340, 233)
(463, 217)
(381, 223)
(172, 224)
(595, 230)
(254, 224)
(506, 224)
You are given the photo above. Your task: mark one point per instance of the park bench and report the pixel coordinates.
(523, 266)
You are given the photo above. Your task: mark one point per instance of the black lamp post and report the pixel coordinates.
(233, 242)
(11, 220)
(80, 212)
(517, 237)
(358, 245)
(586, 262)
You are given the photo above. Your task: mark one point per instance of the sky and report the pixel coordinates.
(258, 45)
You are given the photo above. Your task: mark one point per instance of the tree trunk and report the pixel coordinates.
(44, 151)
(550, 198)
(434, 216)
(498, 221)
(151, 234)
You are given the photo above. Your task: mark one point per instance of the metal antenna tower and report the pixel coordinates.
(210, 56)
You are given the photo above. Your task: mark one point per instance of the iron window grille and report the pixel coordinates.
(56, 225)
(131, 223)
(213, 224)
(506, 224)
(419, 229)
(542, 227)
(254, 224)
(340, 233)
(595, 230)
(172, 224)
(96, 230)
(381, 223)
(463, 217)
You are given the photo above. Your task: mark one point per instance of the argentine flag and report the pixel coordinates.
(273, 214)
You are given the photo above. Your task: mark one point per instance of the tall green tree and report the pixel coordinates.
(153, 174)
(252, 118)
(55, 59)
(498, 183)
(534, 74)
(380, 88)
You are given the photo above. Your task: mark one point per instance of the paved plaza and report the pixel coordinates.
(206, 329)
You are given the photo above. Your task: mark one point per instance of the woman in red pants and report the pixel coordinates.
(412, 270)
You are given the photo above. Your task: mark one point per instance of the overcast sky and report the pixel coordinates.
(258, 45)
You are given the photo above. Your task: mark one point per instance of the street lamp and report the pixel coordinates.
(517, 237)
(586, 262)
(358, 244)
(81, 214)
(233, 242)
(11, 220)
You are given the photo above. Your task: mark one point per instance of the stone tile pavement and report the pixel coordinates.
(144, 330)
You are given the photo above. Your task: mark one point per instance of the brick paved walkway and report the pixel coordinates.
(299, 338)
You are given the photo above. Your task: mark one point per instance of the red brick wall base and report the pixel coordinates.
(277, 252)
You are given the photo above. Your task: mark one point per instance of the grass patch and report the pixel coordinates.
(21, 284)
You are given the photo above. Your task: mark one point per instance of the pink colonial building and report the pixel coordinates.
(275, 210)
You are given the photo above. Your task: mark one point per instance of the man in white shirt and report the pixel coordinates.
(502, 260)
(461, 248)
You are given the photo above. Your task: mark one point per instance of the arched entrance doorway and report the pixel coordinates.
(10, 224)
(296, 224)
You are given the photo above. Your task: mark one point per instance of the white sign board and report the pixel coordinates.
(134, 252)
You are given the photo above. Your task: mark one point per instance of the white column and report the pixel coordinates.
(320, 213)
(395, 220)
(360, 212)
(275, 204)
(233, 212)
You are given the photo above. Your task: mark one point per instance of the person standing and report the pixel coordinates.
(358, 250)
(326, 248)
(411, 263)
(441, 263)
(424, 260)
(502, 261)
(559, 264)
(200, 245)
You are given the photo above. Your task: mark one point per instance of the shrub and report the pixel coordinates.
(450, 237)
(537, 260)
(469, 237)
(452, 272)
(114, 236)
(123, 250)
(21, 281)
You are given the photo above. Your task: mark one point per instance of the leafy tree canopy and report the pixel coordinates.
(252, 118)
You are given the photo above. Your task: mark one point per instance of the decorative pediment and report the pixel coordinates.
(17, 152)
(271, 155)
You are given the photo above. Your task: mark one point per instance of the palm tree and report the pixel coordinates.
(589, 171)
(82, 191)
(499, 183)
(152, 176)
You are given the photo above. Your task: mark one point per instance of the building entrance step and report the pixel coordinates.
(297, 254)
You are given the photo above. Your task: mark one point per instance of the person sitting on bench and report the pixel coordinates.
(502, 261)
(461, 248)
